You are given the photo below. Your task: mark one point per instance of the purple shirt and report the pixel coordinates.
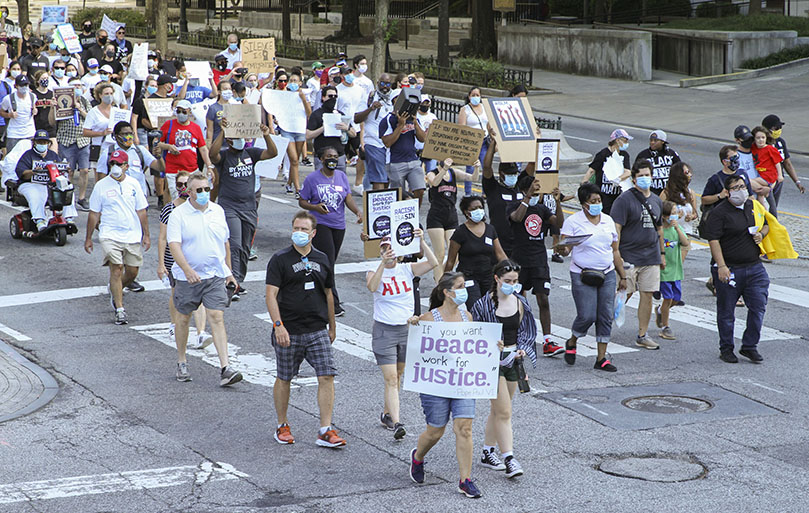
(317, 188)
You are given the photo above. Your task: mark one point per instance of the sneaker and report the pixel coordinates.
(605, 365)
(387, 421)
(203, 340)
(171, 331)
(289, 189)
(399, 431)
(752, 355)
(646, 343)
(253, 254)
(182, 372)
(41, 224)
(242, 291)
(357, 190)
(229, 376)
(570, 354)
(416, 468)
(353, 161)
(658, 317)
(667, 334)
(135, 287)
(235, 296)
(728, 357)
(513, 467)
(120, 316)
(306, 162)
(559, 259)
(339, 311)
(469, 489)
(297, 195)
(83, 205)
(710, 286)
(551, 349)
(330, 439)
(491, 461)
(283, 435)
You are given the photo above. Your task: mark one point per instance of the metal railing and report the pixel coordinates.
(397, 8)
(447, 110)
(294, 49)
(141, 32)
(505, 79)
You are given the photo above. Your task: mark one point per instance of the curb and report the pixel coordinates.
(741, 75)
(50, 384)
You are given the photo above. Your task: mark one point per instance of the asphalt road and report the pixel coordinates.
(123, 435)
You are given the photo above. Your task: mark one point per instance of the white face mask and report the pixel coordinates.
(116, 171)
(362, 68)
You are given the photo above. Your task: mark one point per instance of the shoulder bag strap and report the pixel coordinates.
(645, 203)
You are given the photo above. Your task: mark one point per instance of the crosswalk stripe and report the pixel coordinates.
(781, 293)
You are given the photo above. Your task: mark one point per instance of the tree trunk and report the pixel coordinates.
(22, 10)
(484, 36)
(378, 63)
(183, 16)
(150, 13)
(754, 7)
(350, 26)
(162, 26)
(286, 21)
(443, 33)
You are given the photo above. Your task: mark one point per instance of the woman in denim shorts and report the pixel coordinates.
(297, 141)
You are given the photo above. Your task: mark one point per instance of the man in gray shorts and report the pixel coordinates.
(197, 234)
(399, 132)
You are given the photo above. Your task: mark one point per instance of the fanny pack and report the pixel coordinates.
(593, 277)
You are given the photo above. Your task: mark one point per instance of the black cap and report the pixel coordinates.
(165, 79)
(42, 135)
(743, 133)
(21, 80)
(35, 42)
(772, 122)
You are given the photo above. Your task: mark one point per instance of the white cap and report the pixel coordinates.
(184, 104)
(660, 135)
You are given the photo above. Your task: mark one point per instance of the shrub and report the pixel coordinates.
(717, 9)
(785, 55)
(96, 14)
(756, 23)
(474, 65)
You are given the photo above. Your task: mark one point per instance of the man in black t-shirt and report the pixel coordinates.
(528, 217)
(299, 281)
(737, 270)
(610, 190)
(35, 60)
(661, 157)
(500, 191)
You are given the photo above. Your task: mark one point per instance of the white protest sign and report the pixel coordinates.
(117, 115)
(458, 360)
(253, 97)
(330, 121)
(287, 108)
(199, 112)
(404, 219)
(111, 26)
(377, 211)
(200, 70)
(138, 66)
(53, 14)
(158, 108)
(70, 38)
(13, 31)
(269, 168)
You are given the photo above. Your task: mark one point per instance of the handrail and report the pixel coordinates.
(665, 32)
(424, 11)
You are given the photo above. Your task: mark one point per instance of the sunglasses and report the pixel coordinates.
(282, 81)
(182, 185)
(384, 84)
(201, 189)
(58, 67)
(511, 268)
(330, 96)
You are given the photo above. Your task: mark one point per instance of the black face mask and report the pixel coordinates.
(110, 53)
(337, 80)
(102, 41)
(424, 108)
(222, 66)
(330, 164)
(746, 144)
(328, 105)
(88, 28)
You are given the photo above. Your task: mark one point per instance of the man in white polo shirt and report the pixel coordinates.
(119, 203)
(198, 234)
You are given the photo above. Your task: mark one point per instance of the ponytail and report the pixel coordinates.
(444, 283)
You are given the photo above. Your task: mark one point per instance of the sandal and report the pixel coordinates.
(570, 353)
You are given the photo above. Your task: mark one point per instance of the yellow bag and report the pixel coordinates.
(777, 244)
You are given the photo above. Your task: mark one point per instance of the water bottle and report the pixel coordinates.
(166, 282)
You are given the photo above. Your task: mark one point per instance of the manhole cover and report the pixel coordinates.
(667, 404)
(658, 468)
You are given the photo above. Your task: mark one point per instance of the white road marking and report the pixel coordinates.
(781, 293)
(595, 409)
(118, 482)
(16, 335)
(278, 200)
(580, 138)
(750, 381)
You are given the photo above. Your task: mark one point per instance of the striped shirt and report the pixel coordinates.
(168, 208)
(484, 311)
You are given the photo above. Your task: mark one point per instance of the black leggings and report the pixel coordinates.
(329, 240)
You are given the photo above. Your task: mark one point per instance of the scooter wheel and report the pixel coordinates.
(60, 236)
(14, 228)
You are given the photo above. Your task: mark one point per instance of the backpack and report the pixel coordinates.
(14, 102)
(703, 220)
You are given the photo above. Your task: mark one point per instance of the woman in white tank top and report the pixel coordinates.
(473, 115)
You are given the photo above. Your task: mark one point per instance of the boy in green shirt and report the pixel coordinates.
(675, 241)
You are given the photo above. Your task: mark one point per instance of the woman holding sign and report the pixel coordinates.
(297, 140)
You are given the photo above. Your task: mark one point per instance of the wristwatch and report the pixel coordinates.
(278, 324)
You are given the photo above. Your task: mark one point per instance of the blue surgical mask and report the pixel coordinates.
(644, 182)
(93, 71)
(203, 198)
(461, 295)
(104, 78)
(510, 180)
(477, 215)
(300, 239)
(238, 144)
(508, 288)
(151, 89)
(533, 201)
(624, 147)
(594, 208)
(227, 94)
(41, 148)
(474, 100)
(349, 79)
(66, 58)
(72, 74)
(59, 73)
(53, 46)
(673, 217)
(293, 87)
(233, 46)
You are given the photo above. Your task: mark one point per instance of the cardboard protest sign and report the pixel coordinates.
(270, 168)
(547, 164)
(244, 121)
(287, 108)
(65, 102)
(376, 219)
(3, 56)
(404, 216)
(138, 65)
(54, 14)
(200, 70)
(158, 108)
(258, 55)
(450, 140)
(111, 26)
(458, 360)
(515, 128)
(117, 115)
(69, 38)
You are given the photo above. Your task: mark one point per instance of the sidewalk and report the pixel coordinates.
(24, 386)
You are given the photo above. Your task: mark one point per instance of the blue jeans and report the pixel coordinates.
(467, 185)
(774, 198)
(752, 283)
(437, 409)
(594, 305)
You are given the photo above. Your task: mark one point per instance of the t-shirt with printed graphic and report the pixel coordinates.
(781, 145)
(661, 162)
(639, 244)
(187, 138)
(196, 94)
(498, 197)
(318, 188)
(529, 235)
(404, 149)
(237, 180)
(302, 288)
(674, 258)
(393, 299)
(609, 191)
(765, 160)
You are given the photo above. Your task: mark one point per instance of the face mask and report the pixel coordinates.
(474, 100)
(510, 180)
(104, 78)
(673, 218)
(93, 71)
(737, 198)
(733, 163)
(194, 82)
(23, 90)
(43, 82)
(330, 164)
(362, 68)
(251, 84)
(424, 108)
(477, 215)
(59, 73)
(237, 144)
(116, 171)
(594, 208)
(227, 95)
(15, 73)
(182, 118)
(337, 80)
(182, 189)
(41, 148)
(53, 46)
(88, 28)
(644, 182)
(238, 99)
(126, 140)
(329, 104)
(349, 79)
(78, 92)
(107, 99)
(461, 295)
(300, 239)
(233, 47)
(65, 58)
(533, 201)
(151, 89)
(318, 72)
(152, 64)
(508, 289)
(203, 198)
(624, 147)
(102, 41)
(72, 74)
(746, 144)
(776, 133)
(222, 66)
(293, 87)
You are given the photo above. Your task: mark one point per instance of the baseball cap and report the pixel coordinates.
(659, 135)
(151, 54)
(92, 63)
(425, 98)
(119, 157)
(184, 104)
(165, 79)
(620, 132)
(345, 70)
(21, 80)
(106, 68)
(334, 70)
(742, 132)
(220, 56)
(384, 241)
(41, 135)
(772, 122)
(35, 42)
(317, 65)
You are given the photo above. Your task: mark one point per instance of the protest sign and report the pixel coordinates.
(199, 111)
(111, 26)
(13, 31)
(69, 38)
(117, 115)
(547, 164)
(3, 56)
(244, 121)
(458, 360)
(258, 55)
(404, 219)
(376, 219)
(138, 66)
(200, 70)
(269, 168)
(515, 128)
(54, 14)
(450, 140)
(65, 102)
(287, 108)
(158, 108)
(330, 121)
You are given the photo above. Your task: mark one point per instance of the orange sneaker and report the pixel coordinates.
(330, 439)
(283, 435)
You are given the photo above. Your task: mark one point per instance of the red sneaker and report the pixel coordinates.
(330, 439)
(283, 435)
(551, 349)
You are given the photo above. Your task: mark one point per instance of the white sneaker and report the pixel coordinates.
(203, 340)
(171, 331)
(358, 190)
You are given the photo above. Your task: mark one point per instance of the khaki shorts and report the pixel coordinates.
(118, 253)
(645, 278)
